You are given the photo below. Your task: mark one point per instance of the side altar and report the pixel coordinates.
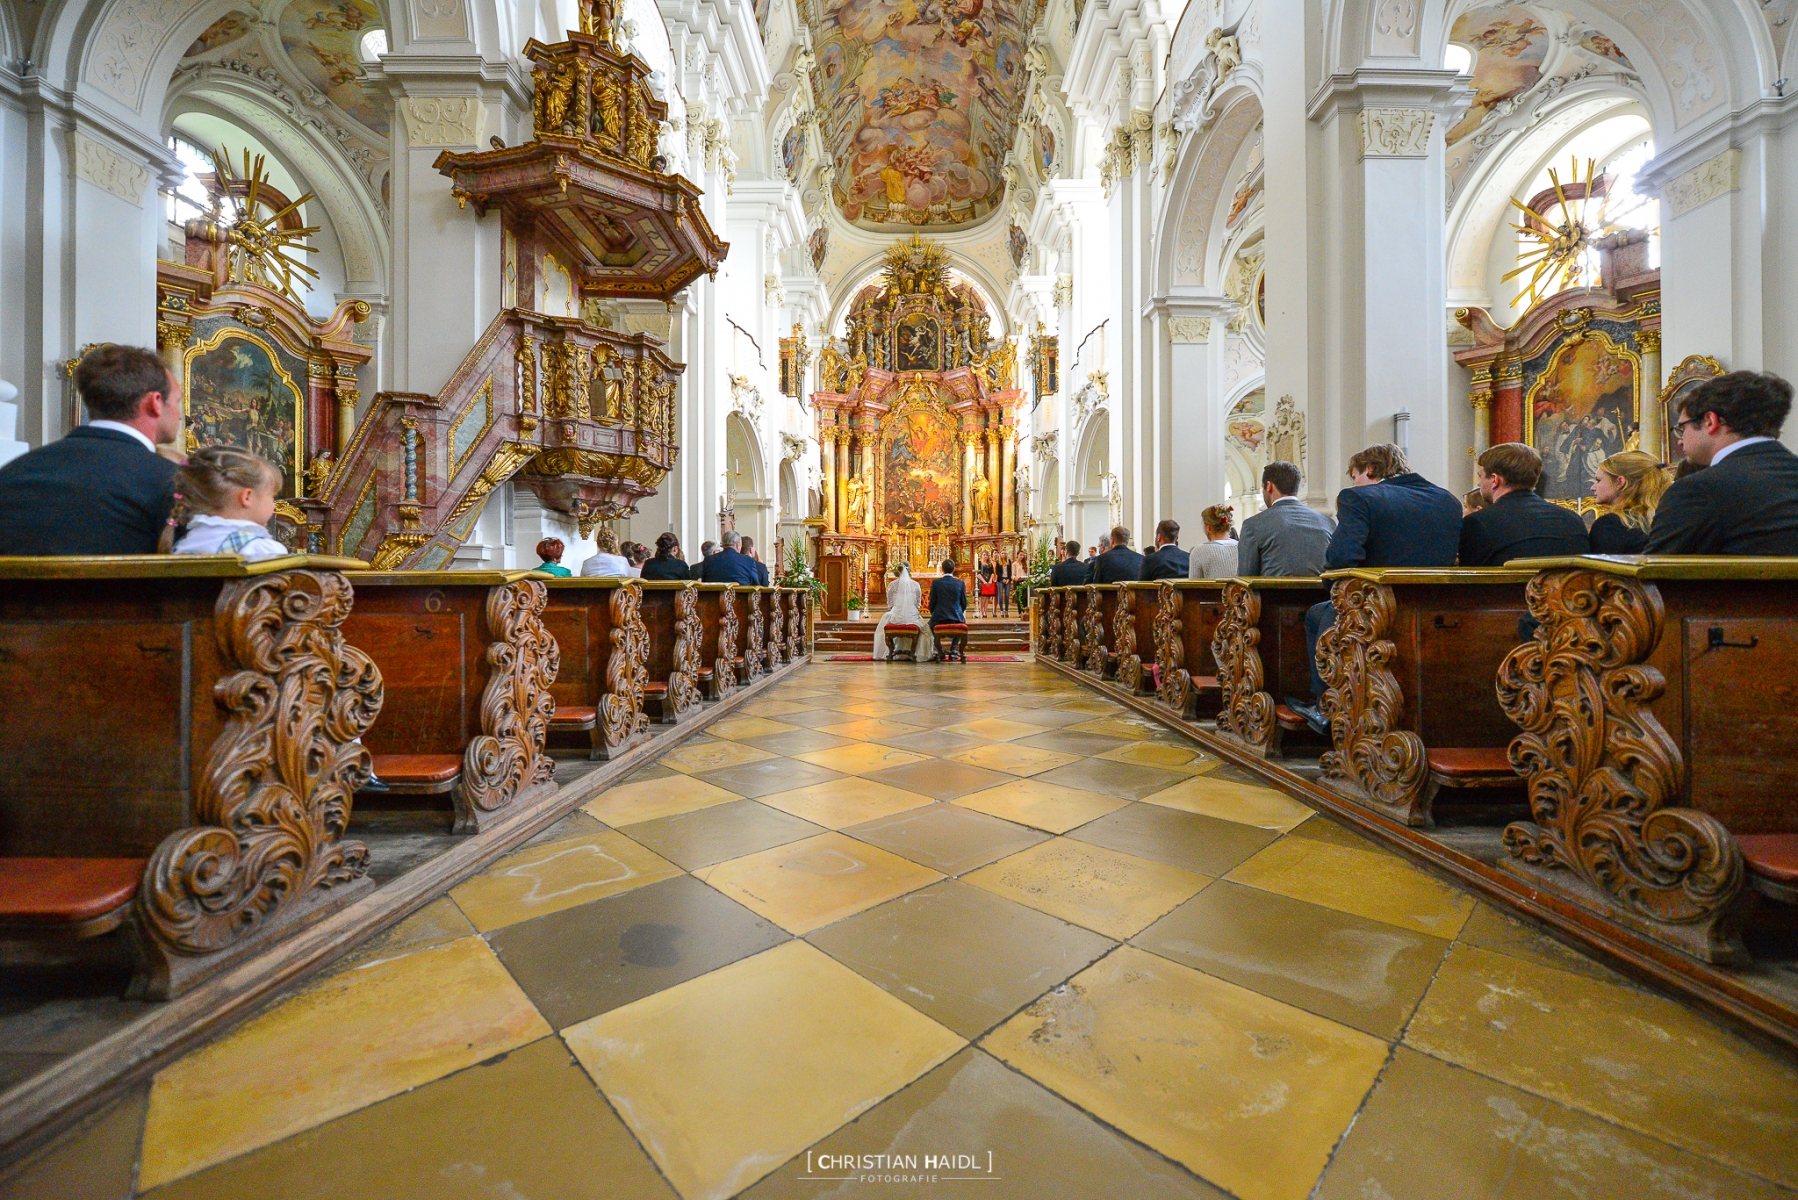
(916, 424)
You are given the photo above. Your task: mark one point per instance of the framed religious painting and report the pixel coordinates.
(918, 343)
(1689, 374)
(239, 393)
(1583, 407)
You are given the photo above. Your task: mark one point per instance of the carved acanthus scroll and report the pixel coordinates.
(1375, 762)
(1248, 712)
(1051, 624)
(621, 708)
(1123, 636)
(796, 624)
(726, 666)
(1176, 690)
(754, 647)
(271, 806)
(1604, 775)
(516, 706)
(1093, 632)
(683, 680)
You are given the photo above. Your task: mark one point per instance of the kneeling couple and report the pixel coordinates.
(948, 606)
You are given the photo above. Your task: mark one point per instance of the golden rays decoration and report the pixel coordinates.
(1553, 262)
(262, 252)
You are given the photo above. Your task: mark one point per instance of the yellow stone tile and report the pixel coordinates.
(1013, 760)
(766, 707)
(1251, 1094)
(725, 1077)
(1188, 760)
(552, 876)
(648, 799)
(1047, 806)
(737, 728)
(1118, 727)
(876, 708)
(996, 729)
(806, 885)
(839, 803)
(1116, 894)
(1229, 800)
(710, 756)
(866, 728)
(355, 1038)
(1640, 1060)
(1381, 887)
(862, 758)
(1092, 705)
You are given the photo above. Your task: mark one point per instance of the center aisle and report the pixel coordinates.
(975, 911)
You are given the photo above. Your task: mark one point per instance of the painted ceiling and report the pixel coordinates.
(321, 38)
(920, 101)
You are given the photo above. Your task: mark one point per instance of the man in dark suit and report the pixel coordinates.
(761, 568)
(102, 489)
(1518, 523)
(1120, 564)
(729, 565)
(948, 603)
(706, 550)
(1745, 501)
(1167, 560)
(1287, 537)
(1070, 571)
(1390, 517)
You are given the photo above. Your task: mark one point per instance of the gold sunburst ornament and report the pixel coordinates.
(1554, 261)
(262, 252)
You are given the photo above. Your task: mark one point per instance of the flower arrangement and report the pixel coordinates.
(798, 574)
(853, 602)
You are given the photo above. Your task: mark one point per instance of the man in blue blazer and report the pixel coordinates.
(729, 564)
(948, 602)
(1167, 560)
(1390, 517)
(1120, 564)
(1070, 571)
(103, 489)
(761, 568)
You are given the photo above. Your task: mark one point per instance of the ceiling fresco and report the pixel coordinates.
(920, 101)
(321, 37)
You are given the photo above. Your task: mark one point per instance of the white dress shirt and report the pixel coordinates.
(1730, 449)
(121, 427)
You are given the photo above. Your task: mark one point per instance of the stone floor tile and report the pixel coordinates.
(862, 758)
(1111, 893)
(806, 885)
(947, 837)
(727, 1076)
(96, 1160)
(1335, 964)
(799, 741)
(584, 961)
(1184, 757)
(1012, 759)
(629, 803)
(940, 779)
(550, 1134)
(1493, 930)
(1246, 804)
(958, 954)
(849, 801)
(552, 876)
(737, 728)
(757, 779)
(347, 1041)
(937, 742)
(709, 754)
(1380, 887)
(699, 839)
(1250, 1093)
(1041, 805)
(1126, 781)
(1186, 840)
(1640, 1060)
(1131, 728)
(1072, 742)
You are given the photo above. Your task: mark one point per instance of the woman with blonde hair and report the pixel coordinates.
(607, 560)
(1216, 556)
(1630, 484)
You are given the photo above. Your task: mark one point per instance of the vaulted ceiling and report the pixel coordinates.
(920, 101)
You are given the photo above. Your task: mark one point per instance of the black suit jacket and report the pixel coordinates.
(97, 491)
(1120, 564)
(1069, 572)
(1405, 521)
(948, 601)
(730, 566)
(1165, 562)
(1521, 525)
(665, 568)
(1746, 504)
(697, 570)
(1611, 536)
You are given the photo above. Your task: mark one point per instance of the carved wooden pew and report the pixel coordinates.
(178, 748)
(1097, 617)
(599, 624)
(1133, 635)
(1660, 742)
(719, 633)
(1185, 615)
(671, 673)
(798, 606)
(773, 627)
(1409, 666)
(1073, 599)
(1261, 656)
(752, 633)
(468, 666)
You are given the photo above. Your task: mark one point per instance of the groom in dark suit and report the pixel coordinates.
(948, 603)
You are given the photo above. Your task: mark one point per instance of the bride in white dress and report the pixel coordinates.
(903, 594)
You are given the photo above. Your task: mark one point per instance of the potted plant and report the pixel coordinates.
(853, 603)
(799, 575)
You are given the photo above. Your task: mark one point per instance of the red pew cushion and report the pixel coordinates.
(64, 891)
(580, 715)
(1472, 762)
(1772, 855)
(417, 768)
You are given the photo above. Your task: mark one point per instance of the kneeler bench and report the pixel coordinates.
(66, 899)
(1468, 767)
(1772, 860)
(952, 640)
(418, 774)
(909, 633)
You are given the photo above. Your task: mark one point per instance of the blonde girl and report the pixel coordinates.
(1631, 485)
(225, 497)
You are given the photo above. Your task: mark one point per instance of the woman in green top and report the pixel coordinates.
(550, 551)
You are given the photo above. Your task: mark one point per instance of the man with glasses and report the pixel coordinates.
(1745, 501)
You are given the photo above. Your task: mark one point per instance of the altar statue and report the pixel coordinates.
(858, 502)
(983, 501)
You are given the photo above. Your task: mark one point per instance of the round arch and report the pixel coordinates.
(1197, 193)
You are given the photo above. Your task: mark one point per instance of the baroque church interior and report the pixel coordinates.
(677, 725)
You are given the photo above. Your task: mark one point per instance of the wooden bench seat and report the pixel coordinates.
(606, 647)
(1262, 657)
(1772, 860)
(574, 717)
(418, 774)
(66, 898)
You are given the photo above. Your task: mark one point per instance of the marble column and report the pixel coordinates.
(993, 472)
(1654, 419)
(827, 444)
(1007, 469)
(842, 486)
(1480, 396)
(870, 440)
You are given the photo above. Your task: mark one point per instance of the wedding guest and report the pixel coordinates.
(1631, 485)
(1167, 560)
(1218, 556)
(667, 563)
(103, 489)
(986, 587)
(1474, 500)
(706, 550)
(549, 554)
(1120, 564)
(1745, 500)
(636, 554)
(1070, 571)
(761, 568)
(1519, 523)
(225, 498)
(1287, 537)
(606, 561)
(728, 564)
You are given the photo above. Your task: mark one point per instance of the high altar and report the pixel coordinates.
(915, 423)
